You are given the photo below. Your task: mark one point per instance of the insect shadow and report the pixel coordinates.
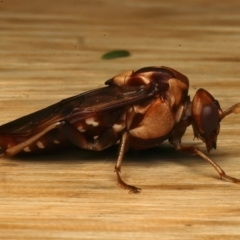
(148, 158)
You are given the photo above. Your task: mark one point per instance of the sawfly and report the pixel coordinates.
(139, 109)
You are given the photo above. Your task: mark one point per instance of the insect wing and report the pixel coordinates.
(79, 107)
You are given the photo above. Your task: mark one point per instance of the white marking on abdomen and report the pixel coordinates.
(81, 129)
(27, 149)
(117, 127)
(40, 145)
(56, 141)
(91, 121)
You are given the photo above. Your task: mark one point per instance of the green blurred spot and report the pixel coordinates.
(116, 54)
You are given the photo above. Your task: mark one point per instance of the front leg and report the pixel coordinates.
(175, 140)
(195, 151)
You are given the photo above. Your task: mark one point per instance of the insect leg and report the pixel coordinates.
(17, 148)
(106, 140)
(72, 134)
(122, 149)
(196, 151)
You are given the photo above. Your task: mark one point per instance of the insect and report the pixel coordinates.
(141, 109)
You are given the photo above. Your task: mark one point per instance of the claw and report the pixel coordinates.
(134, 189)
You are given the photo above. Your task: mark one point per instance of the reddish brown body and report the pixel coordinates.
(141, 109)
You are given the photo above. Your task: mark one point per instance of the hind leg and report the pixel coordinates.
(71, 133)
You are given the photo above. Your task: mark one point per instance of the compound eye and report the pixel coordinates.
(206, 118)
(209, 118)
